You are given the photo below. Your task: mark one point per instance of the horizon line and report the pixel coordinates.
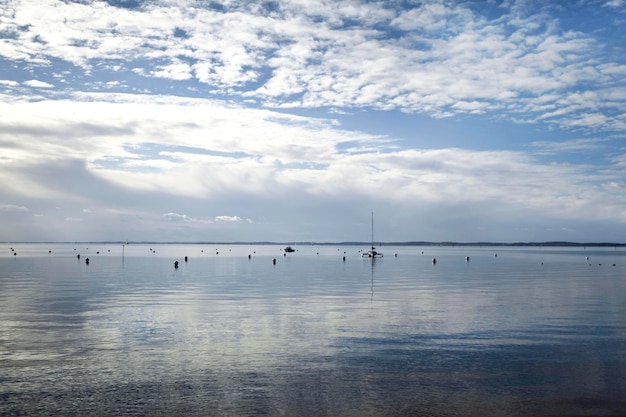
(341, 243)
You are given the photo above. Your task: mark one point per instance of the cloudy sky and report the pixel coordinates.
(293, 120)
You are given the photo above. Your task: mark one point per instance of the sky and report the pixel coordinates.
(295, 120)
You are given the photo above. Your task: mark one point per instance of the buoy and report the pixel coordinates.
(87, 261)
(344, 258)
(434, 261)
(249, 256)
(467, 259)
(185, 259)
(274, 261)
(78, 256)
(49, 251)
(176, 264)
(395, 254)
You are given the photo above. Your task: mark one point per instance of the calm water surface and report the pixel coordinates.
(529, 332)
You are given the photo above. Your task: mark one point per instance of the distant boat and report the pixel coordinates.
(289, 249)
(372, 253)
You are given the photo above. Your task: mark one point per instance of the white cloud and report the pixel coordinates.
(231, 219)
(138, 156)
(574, 145)
(201, 150)
(174, 71)
(616, 186)
(38, 84)
(12, 207)
(176, 217)
(434, 17)
(449, 58)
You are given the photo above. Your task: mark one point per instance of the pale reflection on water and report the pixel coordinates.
(532, 331)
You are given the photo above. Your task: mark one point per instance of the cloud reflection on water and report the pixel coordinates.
(228, 335)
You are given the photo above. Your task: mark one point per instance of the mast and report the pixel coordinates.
(372, 230)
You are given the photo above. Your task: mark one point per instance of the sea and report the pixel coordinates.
(248, 330)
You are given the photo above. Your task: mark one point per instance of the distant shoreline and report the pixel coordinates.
(411, 243)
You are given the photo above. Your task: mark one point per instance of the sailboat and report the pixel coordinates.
(372, 253)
